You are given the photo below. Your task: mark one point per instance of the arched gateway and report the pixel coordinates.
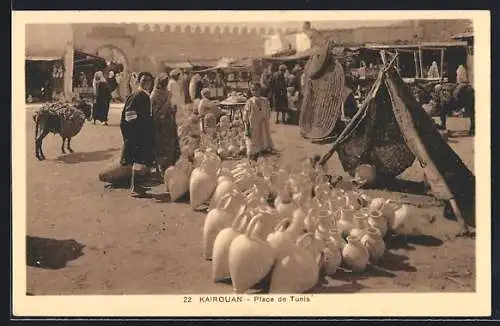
(116, 60)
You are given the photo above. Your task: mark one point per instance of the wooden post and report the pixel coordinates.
(68, 71)
(441, 75)
(382, 55)
(397, 61)
(417, 73)
(421, 62)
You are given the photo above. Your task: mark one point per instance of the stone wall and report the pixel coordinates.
(427, 31)
(146, 47)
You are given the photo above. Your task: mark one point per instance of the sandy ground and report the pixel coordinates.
(152, 246)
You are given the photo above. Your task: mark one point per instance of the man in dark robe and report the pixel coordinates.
(279, 97)
(136, 126)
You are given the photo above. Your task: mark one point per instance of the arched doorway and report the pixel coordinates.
(116, 61)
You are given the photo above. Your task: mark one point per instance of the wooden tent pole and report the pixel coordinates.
(417, 73)
(421, 62)
(442, 64)
(397, 60)
(459, 216)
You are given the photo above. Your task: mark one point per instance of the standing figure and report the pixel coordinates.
(195, 87)
(167, 149)
(205, 107)
(132, 84)
(433, 70)
(102, 98)
(265, 79)
(136, 126)
(279, 100)
(175, 88)
(185, 90)
(113, 84)
(256, 115)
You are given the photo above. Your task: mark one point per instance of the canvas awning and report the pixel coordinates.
(43, 58)
(230, 64)
(297, 56)
(179, 65)
(44, 55)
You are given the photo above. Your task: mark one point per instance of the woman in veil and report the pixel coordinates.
(167, 149)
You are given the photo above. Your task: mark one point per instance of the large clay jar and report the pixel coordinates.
(224, 186)
(374, 244)
(285, 205)
(388, 210)
(360, 224)
(345, 222)
(353, 199)
(297, 227)
(198, 158)
(332, 257)
(298, 271)
(222, 216)
(203, 182)
(355, 254)
(176, 182)
(310, 222)
(376, 204)
(270, 218)
(281, 241)
(403, 223)
(222, 243)
(250, 258)
(377, 220)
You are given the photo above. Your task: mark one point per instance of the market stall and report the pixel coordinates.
(85, 66)
(228, 75)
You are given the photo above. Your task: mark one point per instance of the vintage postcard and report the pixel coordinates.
(265, 163)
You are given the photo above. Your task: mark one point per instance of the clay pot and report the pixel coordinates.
(250, 258)
(355, 254)
(374, 244)
(281, 241)
(376, 204)
(345, 222)
(377, 220)
(403, 222)
(222, 243)
(297, 272)
(222, 216)
(224, 186)
(360, 224)
(332, 257)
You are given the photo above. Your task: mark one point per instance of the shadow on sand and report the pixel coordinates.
(95, 156)
(50, 253)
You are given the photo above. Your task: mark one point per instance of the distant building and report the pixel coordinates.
(138, 47)
(49, 61)
(468, 36)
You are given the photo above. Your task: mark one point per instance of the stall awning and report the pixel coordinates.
(43, 55)
(42, 58)
(297, 56)
(179, 65)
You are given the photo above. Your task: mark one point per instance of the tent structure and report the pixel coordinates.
(391, 130)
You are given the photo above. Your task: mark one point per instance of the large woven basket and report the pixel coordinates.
(322, 102)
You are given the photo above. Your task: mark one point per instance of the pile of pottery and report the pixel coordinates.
(226, 138)
(291, 227)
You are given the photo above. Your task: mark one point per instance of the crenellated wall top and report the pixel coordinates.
(229, 29)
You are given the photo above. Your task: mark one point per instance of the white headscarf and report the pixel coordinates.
(98, 77)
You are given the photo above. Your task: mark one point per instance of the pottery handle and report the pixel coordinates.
(301, 240)
(283, 225)
(391, 201)
(241, 220)
(253, 223)
(224, 201)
